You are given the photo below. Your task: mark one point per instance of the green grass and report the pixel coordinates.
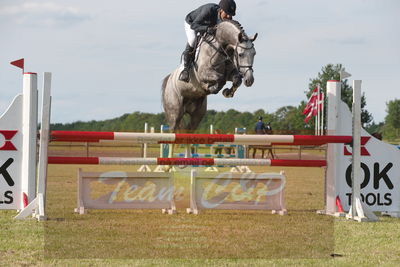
(213, 238)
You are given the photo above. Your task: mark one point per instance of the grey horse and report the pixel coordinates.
(227, 56)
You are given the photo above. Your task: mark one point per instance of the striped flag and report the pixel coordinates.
(311, 106)
(315, 103)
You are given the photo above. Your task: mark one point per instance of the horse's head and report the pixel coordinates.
(240, 46)
(244, 57)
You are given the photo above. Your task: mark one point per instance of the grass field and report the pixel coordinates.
(213, 238)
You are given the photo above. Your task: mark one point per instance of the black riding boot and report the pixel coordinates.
(188, 56)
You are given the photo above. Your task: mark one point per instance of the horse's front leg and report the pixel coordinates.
(213, 82)
(216, 87)
(236, 82)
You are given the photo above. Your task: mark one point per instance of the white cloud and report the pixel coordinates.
(39, 14)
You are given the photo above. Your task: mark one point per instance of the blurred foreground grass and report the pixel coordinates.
(213, 238)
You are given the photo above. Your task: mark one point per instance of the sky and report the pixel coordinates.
(108, 58)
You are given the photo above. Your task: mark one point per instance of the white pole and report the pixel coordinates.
(357, 210)
(356, 160)
(316, 125)
(334, 150)
(160, 168)
(29, 122)
(145, 168)
(146, 130)
(44, 139)
(322, 112)
(318, 111)
(161, 145)
(316, 117)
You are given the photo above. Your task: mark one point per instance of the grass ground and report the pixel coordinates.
(213, 238)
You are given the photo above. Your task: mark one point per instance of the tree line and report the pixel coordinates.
(285, 120)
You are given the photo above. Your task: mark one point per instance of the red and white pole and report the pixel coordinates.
(186, 161)
(172, 138)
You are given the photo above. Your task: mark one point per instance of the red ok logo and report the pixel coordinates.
(363, 152)
(7, 136)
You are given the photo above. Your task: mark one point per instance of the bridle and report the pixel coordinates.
(221, 50)
(238, 66)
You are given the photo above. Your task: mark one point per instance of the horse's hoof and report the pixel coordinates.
(227, 93)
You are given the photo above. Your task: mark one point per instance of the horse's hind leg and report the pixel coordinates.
(174, 119)
(197, 111)
(173, 113)
(175, 123)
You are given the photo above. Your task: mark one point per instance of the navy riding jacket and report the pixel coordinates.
(203, 17)
(260, 128)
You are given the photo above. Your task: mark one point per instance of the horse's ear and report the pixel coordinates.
(253, 38)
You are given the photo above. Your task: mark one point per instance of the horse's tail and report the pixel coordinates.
(163, 86)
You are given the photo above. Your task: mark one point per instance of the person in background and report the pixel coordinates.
(260, 126)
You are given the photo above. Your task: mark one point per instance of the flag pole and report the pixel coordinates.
(322, 112)
(318, 111)
(316, 127)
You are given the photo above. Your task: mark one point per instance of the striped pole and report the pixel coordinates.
(186, 161)
(172, 138)
(201, 155)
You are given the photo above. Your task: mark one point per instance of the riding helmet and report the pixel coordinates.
(229, 6)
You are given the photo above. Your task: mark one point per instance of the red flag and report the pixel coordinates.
(315, 103)
(311, 106)
(311, 102)
(313, 112)
(18, 63)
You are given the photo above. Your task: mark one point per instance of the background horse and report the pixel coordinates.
(227, 56)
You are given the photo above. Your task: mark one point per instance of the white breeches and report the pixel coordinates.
(190, 34)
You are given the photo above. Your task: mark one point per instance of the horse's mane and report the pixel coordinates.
(236, 24)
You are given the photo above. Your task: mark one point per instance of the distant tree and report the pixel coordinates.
(332, 72)
(392, 120)
(259, 113)
(290, 119)
(374, 128)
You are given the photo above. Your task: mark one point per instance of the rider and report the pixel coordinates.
(200, 20)
(260, 126)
